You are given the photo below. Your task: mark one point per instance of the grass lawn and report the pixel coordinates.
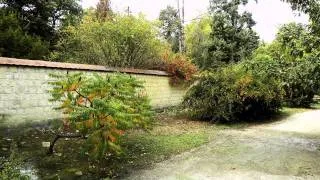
(169, 137)
(290, 111)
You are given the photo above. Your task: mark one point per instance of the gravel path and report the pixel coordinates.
(289, 149)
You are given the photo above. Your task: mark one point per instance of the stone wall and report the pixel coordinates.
(24, 85)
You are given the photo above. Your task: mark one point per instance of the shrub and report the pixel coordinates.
(297, 52)
(233, 93)
(179, 67)
(102, 108)
(300, 77)
(301, 82)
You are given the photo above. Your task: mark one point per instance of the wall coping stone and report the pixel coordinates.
(70, 66)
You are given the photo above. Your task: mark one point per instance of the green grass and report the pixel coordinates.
(158, 147)
(291, 111)
(170, 137)
(316, 105)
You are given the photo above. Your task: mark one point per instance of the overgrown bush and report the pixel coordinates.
(179, 67)
(124, 41)
(102, 108)
(298, 54)
(300, 77)
(234, 93)
(301, 82)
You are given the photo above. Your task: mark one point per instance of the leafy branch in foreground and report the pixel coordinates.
(100, 108)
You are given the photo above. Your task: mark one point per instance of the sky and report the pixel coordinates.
(269, 14)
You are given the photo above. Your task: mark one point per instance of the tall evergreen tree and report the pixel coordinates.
(232, 37)
(14, 42)
(171, 27)
(44, 18)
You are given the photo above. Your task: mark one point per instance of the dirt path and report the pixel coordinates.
(289, 149)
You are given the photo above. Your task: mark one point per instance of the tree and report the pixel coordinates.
(293, 57)
(104, 11)
(298, 54)
(44, 18)
(299, 76)
(101, 108)
(310, 7)
(171, 27)
(198, 39)
(127, 41)
(232, 37)
(14, 42)
(297, 40)
(290, 37)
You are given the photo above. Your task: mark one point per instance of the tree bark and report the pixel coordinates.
(50, 150)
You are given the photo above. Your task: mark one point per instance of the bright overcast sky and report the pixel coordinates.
(268, 14)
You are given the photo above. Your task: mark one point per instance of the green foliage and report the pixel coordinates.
(9, 169)
(102, 108)
(126, 41)
(171, 27)
(232, 37)
(44, 18)
(309, 7)
(14, 42)
(234, 93)
(302, 82)
(297, 41)
(29, 29)
(294, 59)
(198, 40)
(300, 77)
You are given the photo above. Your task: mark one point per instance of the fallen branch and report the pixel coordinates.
(50, 150)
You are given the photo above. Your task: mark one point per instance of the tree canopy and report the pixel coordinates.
(198, 39)
(170, 26)
(232, 37)
(43, 18)
(30, 29)
(15, 42)
(111, 43)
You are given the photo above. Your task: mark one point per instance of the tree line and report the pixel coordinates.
(221, 47)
